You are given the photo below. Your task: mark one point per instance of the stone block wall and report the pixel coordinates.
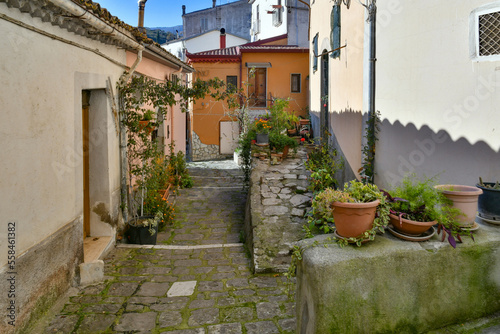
(277, 202)
(203, 152)
(393, 286)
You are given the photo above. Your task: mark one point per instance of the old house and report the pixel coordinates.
(61, 194)
(433, 78)
(265, 70)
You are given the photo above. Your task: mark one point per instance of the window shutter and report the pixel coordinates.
(335, 32)
(315, 48)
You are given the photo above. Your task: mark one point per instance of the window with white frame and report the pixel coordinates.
(485, 32)
(295, 82)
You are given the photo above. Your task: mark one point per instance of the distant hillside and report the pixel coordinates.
(168, 29)
(163, 34)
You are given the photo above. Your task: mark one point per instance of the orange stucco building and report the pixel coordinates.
(266, 70)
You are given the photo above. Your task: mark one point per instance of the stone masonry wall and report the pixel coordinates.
(278, 200)
(205, 152)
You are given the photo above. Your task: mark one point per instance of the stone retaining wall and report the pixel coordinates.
(277, 201)
(203, 152)
(393, 286)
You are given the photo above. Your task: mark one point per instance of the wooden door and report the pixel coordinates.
(86, 162)
(260, 87)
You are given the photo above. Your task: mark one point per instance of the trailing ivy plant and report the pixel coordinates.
(323, 164)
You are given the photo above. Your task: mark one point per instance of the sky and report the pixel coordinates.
(158, 13)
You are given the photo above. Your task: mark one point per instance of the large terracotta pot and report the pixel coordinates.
(464, 198)
(354, 219)
(409, 227)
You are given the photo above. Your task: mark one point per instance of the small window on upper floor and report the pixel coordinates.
(335, 31)
(315, 53)
(231, 82)
(295, 82)
(485, 33)
(204, 24)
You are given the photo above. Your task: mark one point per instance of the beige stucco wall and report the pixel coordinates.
(345, 96)
(41, 128)
(440, 108)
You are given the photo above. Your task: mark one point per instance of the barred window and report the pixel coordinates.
(489, 34)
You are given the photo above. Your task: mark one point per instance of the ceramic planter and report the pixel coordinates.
(354, 219)
(465, 199)
(410, 227)
(262, 138)
(489, 203)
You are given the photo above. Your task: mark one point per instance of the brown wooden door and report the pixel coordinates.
(260, 86)
(86, 163)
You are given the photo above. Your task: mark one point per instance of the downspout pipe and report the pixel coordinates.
(372, 19)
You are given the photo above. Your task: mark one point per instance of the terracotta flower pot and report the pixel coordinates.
(354, 219)
(410, 227)
(465, 199)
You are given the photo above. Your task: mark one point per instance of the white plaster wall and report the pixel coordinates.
(345, 96)
(175, 48)
(440, 108)
(425, 76)
(211, 41)
(205, 42)
(267, 28)
(40, 126)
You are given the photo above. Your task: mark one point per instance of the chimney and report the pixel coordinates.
(140, 25)
(223, 38)
(213, 3)
(183, 9)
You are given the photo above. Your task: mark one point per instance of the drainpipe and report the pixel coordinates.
(371, 7)
(372, 18)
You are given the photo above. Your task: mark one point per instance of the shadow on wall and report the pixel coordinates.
(406, 149)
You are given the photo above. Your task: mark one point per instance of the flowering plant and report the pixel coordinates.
(262, 126)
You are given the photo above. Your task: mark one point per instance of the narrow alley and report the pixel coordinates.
(196, 280)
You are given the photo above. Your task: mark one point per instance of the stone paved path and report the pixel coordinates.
(196, 280)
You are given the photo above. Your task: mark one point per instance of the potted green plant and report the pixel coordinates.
(463, 198)
(489, 201)
(416, 205)
(281, 143)
(359, 211)
(144, 230)
(262, 129)
(144, 123)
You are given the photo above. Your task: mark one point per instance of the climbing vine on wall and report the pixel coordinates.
(367, 170)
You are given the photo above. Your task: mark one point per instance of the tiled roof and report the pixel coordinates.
(274, 48)
(49, 12)
(232, 51)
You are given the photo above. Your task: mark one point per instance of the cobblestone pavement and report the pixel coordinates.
(196, 280)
